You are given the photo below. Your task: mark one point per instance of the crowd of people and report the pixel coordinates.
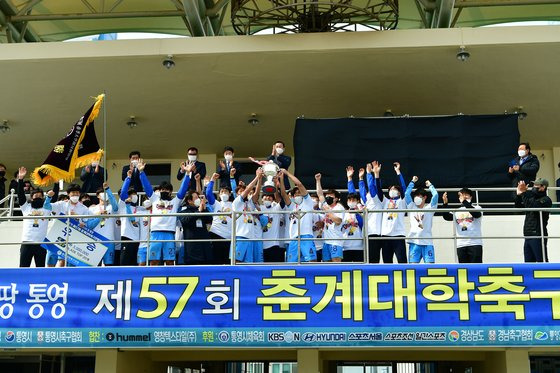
(291, 225)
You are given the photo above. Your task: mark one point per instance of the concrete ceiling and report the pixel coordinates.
(206, 99)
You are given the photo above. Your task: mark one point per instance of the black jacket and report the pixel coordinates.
(91, 180)
(194, 227)
(224, 174)
(532, 224)
(200, 169)
(527, 171)
(134, 180)
(2, 188)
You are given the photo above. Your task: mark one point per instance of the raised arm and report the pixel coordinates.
(184, 188)
(362, 185)
(112, 199)
(349, 175)
(370, 180)
(301, 187)
(144, 179)
(233, 182)
(283, 192)
(376, 167)
(47, 205)
(447, 216)
(126, 185)
(22, 171)
(258, 187)
(408, 191)
(319, 188)
(397, 167)
(252, 184)
(209, 189)
(434, 192)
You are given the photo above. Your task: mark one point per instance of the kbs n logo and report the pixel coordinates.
(287, 337)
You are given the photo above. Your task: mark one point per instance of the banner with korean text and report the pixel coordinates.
(275, 306)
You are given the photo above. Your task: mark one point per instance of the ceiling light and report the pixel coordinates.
(253, 119)
(132, 123)
(168, 62)
(521, 114)
(388, 113)
(463, 55)
(4, 126)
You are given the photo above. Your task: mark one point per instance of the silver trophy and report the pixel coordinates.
(270, 170)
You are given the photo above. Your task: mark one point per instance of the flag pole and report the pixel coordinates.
(105, 143)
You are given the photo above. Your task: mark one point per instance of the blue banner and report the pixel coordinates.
(307, 305)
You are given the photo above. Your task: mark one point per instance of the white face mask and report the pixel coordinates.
(197, 202)
(279, 150)
(267, 203)
(352, 205)
(192, 158)
(134, 162)
(418, 201)
(298, 200)
(147, 204)
(224, 197)
(393, 193)
(74, 199)
(134, 198)
(521, 153)
(228, 157)
(95, 164)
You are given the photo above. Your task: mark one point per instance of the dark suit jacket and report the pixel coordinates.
(134, 180)
(224, 174)
(527, 171)
(200, 169)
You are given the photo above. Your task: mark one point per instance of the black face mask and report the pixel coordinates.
(87, 203)
(329, 200)
(2, 173)
(537, 191)
(37, 203)
(166, 196)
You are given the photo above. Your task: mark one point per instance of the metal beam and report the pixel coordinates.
(69, 16)
(215, 9)
(482, 3)
(6, 12)
(179, 7)
(28, 7)
(193, 17)
(445, 12)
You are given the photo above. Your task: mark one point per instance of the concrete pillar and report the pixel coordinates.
(114, 361)
(508, 361)
(308, 361)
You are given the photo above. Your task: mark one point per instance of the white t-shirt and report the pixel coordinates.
(106, 226)
(392, 223)
(352, 230)
(130, 227)
(144, 227)
(272, 228)
(160, 208)
(374, 218)
(34, 230)
(67, 208)
(467, 226)
(245, 221)
(221, 224)
(317, 230)
(334, 233)
(306, 225)
(420, 225)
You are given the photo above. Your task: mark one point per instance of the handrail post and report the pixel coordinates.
(476, 194)
(12, 199)
(147, 240)
(233, 238)
(366, 237)
(455, 238)
(543, 248)
(67, 239)
(298, 215)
